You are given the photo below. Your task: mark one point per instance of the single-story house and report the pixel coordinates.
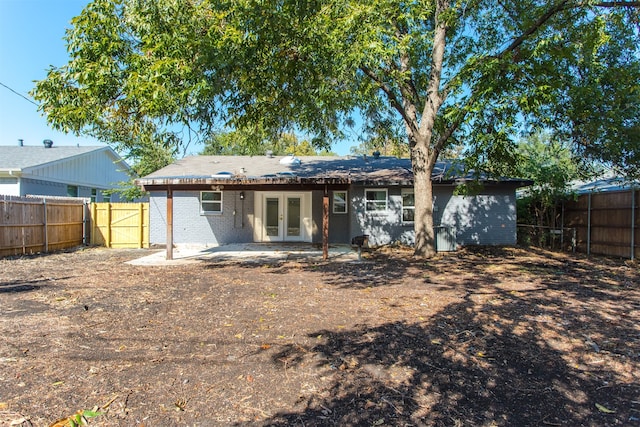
(216, 200)
(49, 170)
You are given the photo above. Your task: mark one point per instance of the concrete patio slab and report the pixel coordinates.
(249, 253)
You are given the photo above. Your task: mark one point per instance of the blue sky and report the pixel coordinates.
(31, 40)
(31, 33)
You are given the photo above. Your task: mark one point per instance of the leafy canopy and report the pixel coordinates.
(177, 70)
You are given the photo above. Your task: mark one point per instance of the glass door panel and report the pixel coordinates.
(294, 217)
(272, 216)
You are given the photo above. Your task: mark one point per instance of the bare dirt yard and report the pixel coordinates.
(484, 337)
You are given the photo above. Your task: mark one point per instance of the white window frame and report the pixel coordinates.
(344, 203)
(413, 208)
(213, 203)
(376, 201)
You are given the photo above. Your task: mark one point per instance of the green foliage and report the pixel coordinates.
(145, 157)
(552, 167)
(78, 419)
(251, 142)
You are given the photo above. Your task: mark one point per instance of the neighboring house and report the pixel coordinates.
(604, 184)
(61, 171)
(214, 200)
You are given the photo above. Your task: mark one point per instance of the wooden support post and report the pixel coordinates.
(325, 224)
(169, 224)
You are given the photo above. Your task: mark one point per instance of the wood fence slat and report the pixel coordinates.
(606, 223)
(37, 224)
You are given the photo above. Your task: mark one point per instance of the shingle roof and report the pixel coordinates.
(268, 167)
(16, 157)
(246, 169)
(605, 184)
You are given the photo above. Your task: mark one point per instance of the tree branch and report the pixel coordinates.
(393, 99)
(563, 5)
(618, 4)
(532, 29)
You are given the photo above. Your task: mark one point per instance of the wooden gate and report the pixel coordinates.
(120, 225)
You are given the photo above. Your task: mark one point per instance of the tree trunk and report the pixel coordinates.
(422, 162)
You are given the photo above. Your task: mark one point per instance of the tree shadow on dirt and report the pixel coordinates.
(17, 286)
(505, 354)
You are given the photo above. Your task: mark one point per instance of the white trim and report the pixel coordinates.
(346, 202)
(402, 207)
(386, 200)
(306, 221)
(212, 202)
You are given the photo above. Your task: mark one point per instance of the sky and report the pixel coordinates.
(31, 40)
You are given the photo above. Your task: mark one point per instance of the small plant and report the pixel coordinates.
(76, 420)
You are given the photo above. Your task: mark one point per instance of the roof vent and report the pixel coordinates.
(223, 175)
(269, 154)
(21, 142)
(290, 160)
(376, 154)
(47, 143)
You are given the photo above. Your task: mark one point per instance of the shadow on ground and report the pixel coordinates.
(499, 356)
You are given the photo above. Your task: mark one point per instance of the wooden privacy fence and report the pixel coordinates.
(40, 224)
(606, 223)
(120, 225)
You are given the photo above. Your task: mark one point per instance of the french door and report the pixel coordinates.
(283, 217)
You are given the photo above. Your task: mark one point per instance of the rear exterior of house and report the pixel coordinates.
(285, 202)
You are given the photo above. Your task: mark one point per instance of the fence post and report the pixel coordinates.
(633, 223)
(46, 226)
(589, 224)
(94, 222)
(562, 228)
(140, 226)
(107, 242)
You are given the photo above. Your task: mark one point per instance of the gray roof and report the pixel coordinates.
(19, 158)
(604, 184)
(203, 170)
(258, 167)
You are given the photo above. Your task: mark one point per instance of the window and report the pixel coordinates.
(375, 200)
(72, 190)
(408, 205)
(211, 202)
(94, 195)
(339, 202)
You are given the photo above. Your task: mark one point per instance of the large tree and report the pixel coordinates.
(449, 71)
